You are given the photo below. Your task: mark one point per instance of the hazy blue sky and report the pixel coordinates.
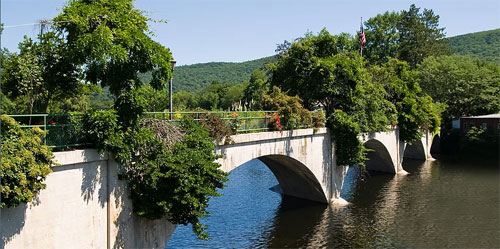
(240, 30)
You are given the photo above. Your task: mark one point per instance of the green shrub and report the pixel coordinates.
(25, 163)
(99, 126)
(177, 184)
(215, 126)
(293, 114)
(349, 150)
(318, 119)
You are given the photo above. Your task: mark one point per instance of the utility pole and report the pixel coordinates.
(172, 63)
(1, 55)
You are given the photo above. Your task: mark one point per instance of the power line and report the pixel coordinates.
(32, 24)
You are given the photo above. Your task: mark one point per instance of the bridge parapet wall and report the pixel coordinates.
(83, 206)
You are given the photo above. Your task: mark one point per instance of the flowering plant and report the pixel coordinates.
(319, 119)
(235, 122)
(274, 122)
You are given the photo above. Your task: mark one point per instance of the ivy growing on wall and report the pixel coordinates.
(171, 177)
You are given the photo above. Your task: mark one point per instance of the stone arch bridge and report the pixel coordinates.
(303, 160)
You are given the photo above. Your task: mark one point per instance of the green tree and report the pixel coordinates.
(183, 101)
(156, 100)
(25, 163)
(23, 78)
(43, 75)
(210, 98)
(326, 70)
(415, 111)
(233, 96)
(256, 88)
(467, 86)
(382, 37)
(112, 42)
(410, 35)
(420, 36)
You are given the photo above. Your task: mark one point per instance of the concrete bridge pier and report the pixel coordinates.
(387, 151)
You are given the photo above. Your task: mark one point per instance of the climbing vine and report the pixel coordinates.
(169, 175)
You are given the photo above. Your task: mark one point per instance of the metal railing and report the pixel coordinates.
(64, 130)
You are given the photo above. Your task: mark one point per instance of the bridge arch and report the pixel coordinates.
(379, 158)
(295, 178)
(415, 151)
(301, 160)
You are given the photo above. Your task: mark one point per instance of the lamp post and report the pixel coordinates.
(172, 63)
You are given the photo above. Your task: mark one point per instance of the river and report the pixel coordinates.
(440, 204)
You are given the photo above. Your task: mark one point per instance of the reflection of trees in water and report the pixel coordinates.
(296, 221)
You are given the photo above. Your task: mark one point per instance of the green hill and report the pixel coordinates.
(484, 45)
(193, 77)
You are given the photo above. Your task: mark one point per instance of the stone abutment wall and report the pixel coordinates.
(83, 206)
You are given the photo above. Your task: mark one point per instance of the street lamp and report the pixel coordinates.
(172, 63)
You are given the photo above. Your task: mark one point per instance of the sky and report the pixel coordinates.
(201, 31)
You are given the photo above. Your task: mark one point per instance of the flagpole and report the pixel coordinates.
(361, 47)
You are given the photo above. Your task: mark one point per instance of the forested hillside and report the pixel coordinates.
(194, 77)
(483, 45)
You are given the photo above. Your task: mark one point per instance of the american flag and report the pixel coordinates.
(362, 37)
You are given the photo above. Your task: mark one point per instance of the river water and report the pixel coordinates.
(440, 204)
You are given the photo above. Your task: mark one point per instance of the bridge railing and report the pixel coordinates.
(64, 130)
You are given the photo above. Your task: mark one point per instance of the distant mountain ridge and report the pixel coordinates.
(194, 77)
(484, 45)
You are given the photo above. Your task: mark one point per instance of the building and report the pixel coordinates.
(489, 122)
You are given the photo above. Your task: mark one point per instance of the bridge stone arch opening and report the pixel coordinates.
(294, 178)
(379, 158)
(415, 151)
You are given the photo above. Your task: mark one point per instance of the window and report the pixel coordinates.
(484, 126)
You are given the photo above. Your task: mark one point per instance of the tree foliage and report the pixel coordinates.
(25, 163)
(325, 70)
(467, 86)
(410, 35)
(112, 42)
(415, 110)
(43, 77)
(255, 89)
(193, 78)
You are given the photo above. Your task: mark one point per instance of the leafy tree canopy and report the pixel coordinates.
(112, 42)
(410, 35)
(467, 86)
(326, 70)
(40, 77)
